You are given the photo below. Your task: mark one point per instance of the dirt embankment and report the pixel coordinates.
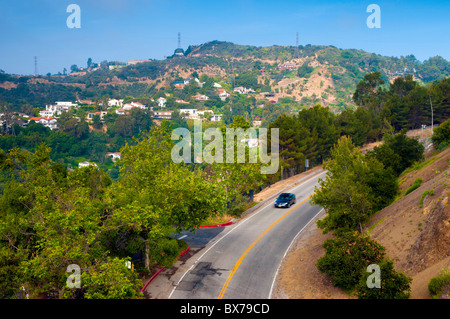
(415, 233)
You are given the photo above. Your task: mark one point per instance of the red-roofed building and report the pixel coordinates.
(49, 121)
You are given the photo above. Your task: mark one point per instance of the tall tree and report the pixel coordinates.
(351, 191)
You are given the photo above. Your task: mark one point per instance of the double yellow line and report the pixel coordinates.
(238, 263)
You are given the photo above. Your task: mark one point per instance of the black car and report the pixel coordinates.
(285, 200)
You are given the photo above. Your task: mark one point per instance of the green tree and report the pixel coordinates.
(156, 193)
(52, 218)
(367, 88)
(236, 177)
(441, 135)
(96, 122)
(354, 188)
(409, 149)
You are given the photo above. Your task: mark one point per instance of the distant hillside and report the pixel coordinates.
(308, 74)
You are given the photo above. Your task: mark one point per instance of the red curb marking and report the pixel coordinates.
(161, 269)
(218, 225)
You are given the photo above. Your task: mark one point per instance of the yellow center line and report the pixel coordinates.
(238, 263)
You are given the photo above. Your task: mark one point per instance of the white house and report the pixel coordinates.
(200, 84)
(189, 111)
(200, 97)
(216, 117)
(90, 116)
(162, 114)
(86, 164)
(181, 101)
(114, 155)
(66, 104)
(161, 102)
(120, 111)
(49, 122)
(223, 94)
(115, 102)
(129, 106)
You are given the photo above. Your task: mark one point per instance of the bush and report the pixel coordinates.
(441, 135)
(347, 257)
(436, 284)
(393, 284)
(414, 186)
(425, 193)
(410, 150)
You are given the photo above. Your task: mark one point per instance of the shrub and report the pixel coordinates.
(436, 284)
(414, 186)
(441, 135)
(393, 285)
(425, 193)
(347, 256)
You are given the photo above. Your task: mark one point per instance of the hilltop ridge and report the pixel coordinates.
(308, 74)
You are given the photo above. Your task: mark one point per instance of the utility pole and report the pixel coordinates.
(431, 105)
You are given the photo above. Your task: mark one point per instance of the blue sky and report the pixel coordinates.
(122, 30)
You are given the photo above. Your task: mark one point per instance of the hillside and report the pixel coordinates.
(312, 74)
(416, 238)
(415, 235)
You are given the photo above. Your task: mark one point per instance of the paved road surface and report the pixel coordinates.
(241, 261)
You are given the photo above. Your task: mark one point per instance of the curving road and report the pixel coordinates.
(241, 261)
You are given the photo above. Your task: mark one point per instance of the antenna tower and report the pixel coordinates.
(179, 40)
(297, 53)
(35, 66)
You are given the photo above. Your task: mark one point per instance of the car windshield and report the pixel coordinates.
(284, 196)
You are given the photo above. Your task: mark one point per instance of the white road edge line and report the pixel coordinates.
(289, 247)
(239, 224)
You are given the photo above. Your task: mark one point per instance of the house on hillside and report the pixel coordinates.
(114, 155)
(86, 164)
(191, 113)
(67, 105)
(242, 90)
(134, 62)
(115, 102)
(223, 94)
(286, 66)
(181, 101)
(49, 122)
(129, 106)
(200, 97)
(216, 118)
(161, 102)
(90, 116)
(162, 115)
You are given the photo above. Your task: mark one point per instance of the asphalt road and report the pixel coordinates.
(241, 261)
